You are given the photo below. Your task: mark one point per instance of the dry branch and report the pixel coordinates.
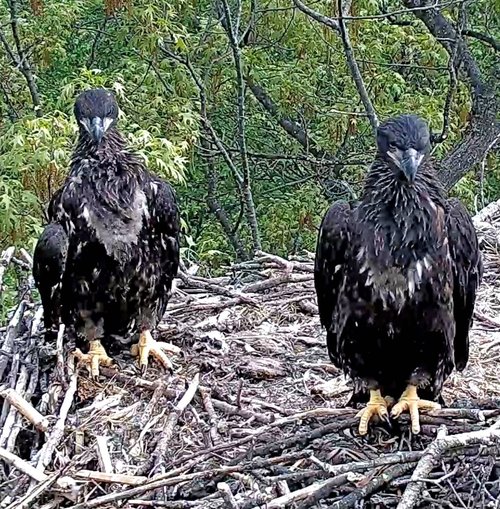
(168, 431)
(57, 432)
(5, 259)
(26, 409)
(22, 466)
(435, 452)
(277, 437)
(91, 475)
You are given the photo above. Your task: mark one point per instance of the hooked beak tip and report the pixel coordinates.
(409, 164)
(97, 130)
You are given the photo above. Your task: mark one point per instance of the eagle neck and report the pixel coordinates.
(109, 160)
(406, 222)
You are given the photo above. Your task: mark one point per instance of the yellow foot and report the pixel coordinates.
(410, 402)
(148, 346)
(377, 406)
(96, 356)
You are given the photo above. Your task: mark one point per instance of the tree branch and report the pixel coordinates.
(291, 127)
(205, 121)
(233, 37)
(355, 72)
(217, 209)
(320, 18)
(483, 127)
(212, 202)
(433, 454)
(452, 70)
(338, 25)
(19, 59)
(487, 39)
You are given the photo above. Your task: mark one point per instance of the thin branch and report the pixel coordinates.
(291, 127)
(386, 15)
(246, 187)
(484, 126)
(433, 455)
(97, 38)
(168, 431)
(452, 70)
(487, 39)
(217, 209)
(20, 60)
(339, 26)
(356, 73)
(212, 201)
(204, 117)
(321, 18)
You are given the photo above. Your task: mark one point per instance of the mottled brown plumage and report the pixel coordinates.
(396, 276)
(105, 263)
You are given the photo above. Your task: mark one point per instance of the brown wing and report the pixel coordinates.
(331, 251)
(467, 274)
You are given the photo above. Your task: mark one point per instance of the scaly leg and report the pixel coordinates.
(148, 346)
(409, 401)
(376, 406)
(96, 356)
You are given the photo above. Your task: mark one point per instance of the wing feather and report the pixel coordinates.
(164, 224)
(331, 256)
(467, 275)
(49, 262)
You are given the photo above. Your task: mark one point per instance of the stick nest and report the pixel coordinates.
(253, 415)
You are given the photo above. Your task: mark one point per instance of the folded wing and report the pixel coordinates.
(467, 274)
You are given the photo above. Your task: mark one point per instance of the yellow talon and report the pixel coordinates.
(148, 346)
(377, 406)
(409, 401)
(95, 357)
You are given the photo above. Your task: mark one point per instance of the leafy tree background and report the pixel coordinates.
(207, 90)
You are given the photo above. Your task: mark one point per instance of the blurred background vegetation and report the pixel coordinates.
(178, 77)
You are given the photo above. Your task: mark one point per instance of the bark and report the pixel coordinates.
(483, 128)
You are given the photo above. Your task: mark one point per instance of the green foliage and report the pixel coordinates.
(300, 64)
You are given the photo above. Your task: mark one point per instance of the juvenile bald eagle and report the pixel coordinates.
(396, 279)
(105, 263)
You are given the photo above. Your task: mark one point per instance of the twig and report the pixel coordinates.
(20, 60)
(168, 431)
(57, 432)
(355, 72)
(5, 259)
(26, 409)
(213, 287)
(209, 408)
(165, 480)
(247, 414)
(310, 493)
(433, 455)
(103, 454)
(12, 331)
(279, 280)
(246, 187)
(227, 495)
(22, 466)
(289, 266)
(92, 475)
(375, 484)
(383, 460)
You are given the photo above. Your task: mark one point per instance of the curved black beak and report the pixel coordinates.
(410, 161)
(97, 129)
